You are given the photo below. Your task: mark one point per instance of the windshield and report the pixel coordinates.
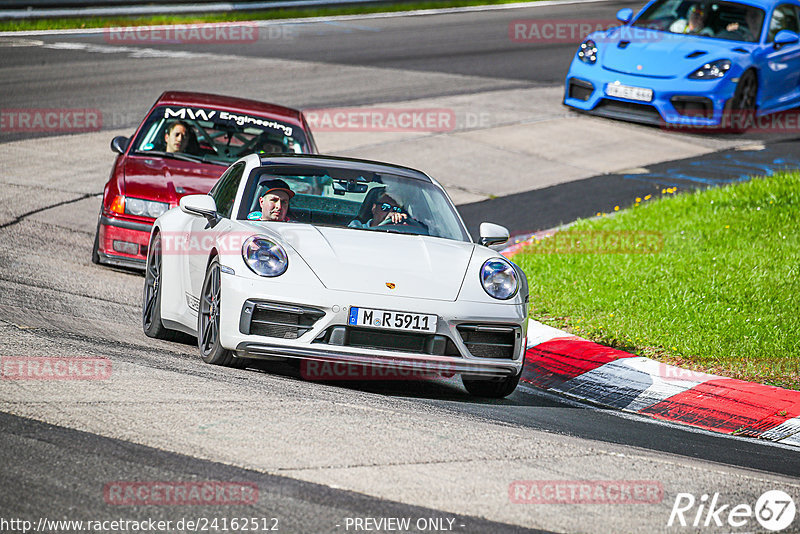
(721, 20)
(215, 136)
(359, 200)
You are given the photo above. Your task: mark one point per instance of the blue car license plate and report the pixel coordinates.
(629, 93)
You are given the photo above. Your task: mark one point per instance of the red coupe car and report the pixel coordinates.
(181, 148)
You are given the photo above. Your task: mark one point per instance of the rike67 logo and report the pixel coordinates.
(774, 511)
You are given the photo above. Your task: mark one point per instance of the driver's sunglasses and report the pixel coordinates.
(388, 207)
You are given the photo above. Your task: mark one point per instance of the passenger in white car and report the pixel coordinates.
(275, 201)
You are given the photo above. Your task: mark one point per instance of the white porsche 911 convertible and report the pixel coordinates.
(371, 265)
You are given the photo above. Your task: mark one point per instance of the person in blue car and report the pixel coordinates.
(750, 30)
(694, 23)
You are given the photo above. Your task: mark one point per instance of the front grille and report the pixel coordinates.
(373, 338)
(693, 106)
(275, 324)
(489, 341)
(273, 319)
(618, 109)
(580, 89)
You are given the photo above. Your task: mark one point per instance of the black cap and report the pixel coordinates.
(276, 185)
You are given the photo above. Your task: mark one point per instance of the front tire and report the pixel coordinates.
(208, 321)
(151, 297)
(741, 108)
(491, 388)
(96, 249)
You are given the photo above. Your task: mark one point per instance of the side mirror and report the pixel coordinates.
(625, 15)
(199, 206)
(493, 234)
(119, 144)
(786, 37)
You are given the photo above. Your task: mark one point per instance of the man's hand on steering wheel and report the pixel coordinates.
(394, 217)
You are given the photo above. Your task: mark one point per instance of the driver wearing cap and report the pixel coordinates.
(275, 201)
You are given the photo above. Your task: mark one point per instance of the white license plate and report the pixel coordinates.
(414, 322)
(631, 93)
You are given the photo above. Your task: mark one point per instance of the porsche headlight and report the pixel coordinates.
(145, 208)
(588, 52)
(712, 71)
(499, 279)
(264, 257)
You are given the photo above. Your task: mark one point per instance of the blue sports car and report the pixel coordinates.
(691, 62)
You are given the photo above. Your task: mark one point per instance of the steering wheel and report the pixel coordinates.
(407, 226)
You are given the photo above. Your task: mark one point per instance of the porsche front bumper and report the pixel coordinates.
(315, 327)
(423, 364)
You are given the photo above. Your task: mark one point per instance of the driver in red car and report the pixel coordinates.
(177, 136)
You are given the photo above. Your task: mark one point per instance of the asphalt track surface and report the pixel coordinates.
(298, 506)
(319, 452)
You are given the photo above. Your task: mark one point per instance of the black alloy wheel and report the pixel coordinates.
(208, 321)
(151, 297)
(741, 109)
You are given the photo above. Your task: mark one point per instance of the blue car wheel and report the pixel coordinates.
(742, 106)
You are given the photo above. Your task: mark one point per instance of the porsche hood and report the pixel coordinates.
(375, 262)
(662, 54)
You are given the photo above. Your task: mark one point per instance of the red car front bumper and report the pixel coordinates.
(122, 242)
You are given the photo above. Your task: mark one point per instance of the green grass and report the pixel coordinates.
(721, 295)
(105, 22)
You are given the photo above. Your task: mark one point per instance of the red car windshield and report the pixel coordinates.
(215, 136)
